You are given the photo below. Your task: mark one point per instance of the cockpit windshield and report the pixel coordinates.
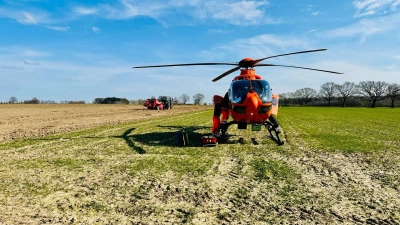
(240, 88)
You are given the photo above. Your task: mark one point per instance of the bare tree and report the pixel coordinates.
(175, 101)
(13, 100)
(48, 102)
(328, 91)
(198, 98)
(306, 94)
(346, 90)
(287, 98)
(184, 99)
(374, 90)
(141, 101)
(393, 91)
(33, 101)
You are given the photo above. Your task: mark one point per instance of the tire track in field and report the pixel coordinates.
(97, 184)
(34, 150)
(333, 188)
(41, 121)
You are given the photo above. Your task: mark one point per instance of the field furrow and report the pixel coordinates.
(133, 173)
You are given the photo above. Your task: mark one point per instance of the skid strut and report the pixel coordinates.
(273, 132)
(272, 127)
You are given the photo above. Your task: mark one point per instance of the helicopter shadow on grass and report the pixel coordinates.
(161, 138)
(195, 137)
(157, 138)
(169, 138)
(230, 139)
(127, 138)
(193, 133)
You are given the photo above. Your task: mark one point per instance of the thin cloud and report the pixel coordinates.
(30, 62)
(389, 67)
(220, 31)
(95, 29)
(31, 53)
(27, 18)
(58, 28)
(239, 12)
(311, 31)
(11, 67)
(236, 13)
(22, 52)
(315, 13)
(372, 7)
(366, 27)
(258, 46)
(279, 41)
(123, 9)
(85, 10)
(33, 17)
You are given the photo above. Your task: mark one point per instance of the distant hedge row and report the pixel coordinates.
(111, 100)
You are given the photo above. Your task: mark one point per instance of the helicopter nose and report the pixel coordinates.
(253, 103)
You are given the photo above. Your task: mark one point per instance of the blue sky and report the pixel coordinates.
(81, 50)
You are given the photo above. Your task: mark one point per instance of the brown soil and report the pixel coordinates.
(334, 188)
(20, 121)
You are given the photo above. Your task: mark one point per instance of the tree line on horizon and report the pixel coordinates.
(365, 93)
(34, 100)
(184, 99)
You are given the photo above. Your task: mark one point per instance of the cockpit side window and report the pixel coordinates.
(263, 90)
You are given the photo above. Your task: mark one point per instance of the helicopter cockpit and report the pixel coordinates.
(240, 88)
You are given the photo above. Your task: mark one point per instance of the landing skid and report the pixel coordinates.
(274, 134)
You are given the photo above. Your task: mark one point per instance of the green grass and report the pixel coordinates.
(344, 129)
(272, 170)
(134, 171)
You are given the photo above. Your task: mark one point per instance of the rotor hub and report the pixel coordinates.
(247, 63)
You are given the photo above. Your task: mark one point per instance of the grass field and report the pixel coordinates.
(345, 129)
(338, 165)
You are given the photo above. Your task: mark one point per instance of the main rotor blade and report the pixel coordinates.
(226, 73)
(186, 64)
(299, 67)
(293, 53)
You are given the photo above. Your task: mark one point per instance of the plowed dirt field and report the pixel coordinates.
(120, 165)
(19, 121)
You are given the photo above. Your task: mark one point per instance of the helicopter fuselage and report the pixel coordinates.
(251, 99)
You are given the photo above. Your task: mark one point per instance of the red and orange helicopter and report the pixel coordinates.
(249, 100)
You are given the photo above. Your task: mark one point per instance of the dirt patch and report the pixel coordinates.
(20, 121)
(125, 175)
(356, 188)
